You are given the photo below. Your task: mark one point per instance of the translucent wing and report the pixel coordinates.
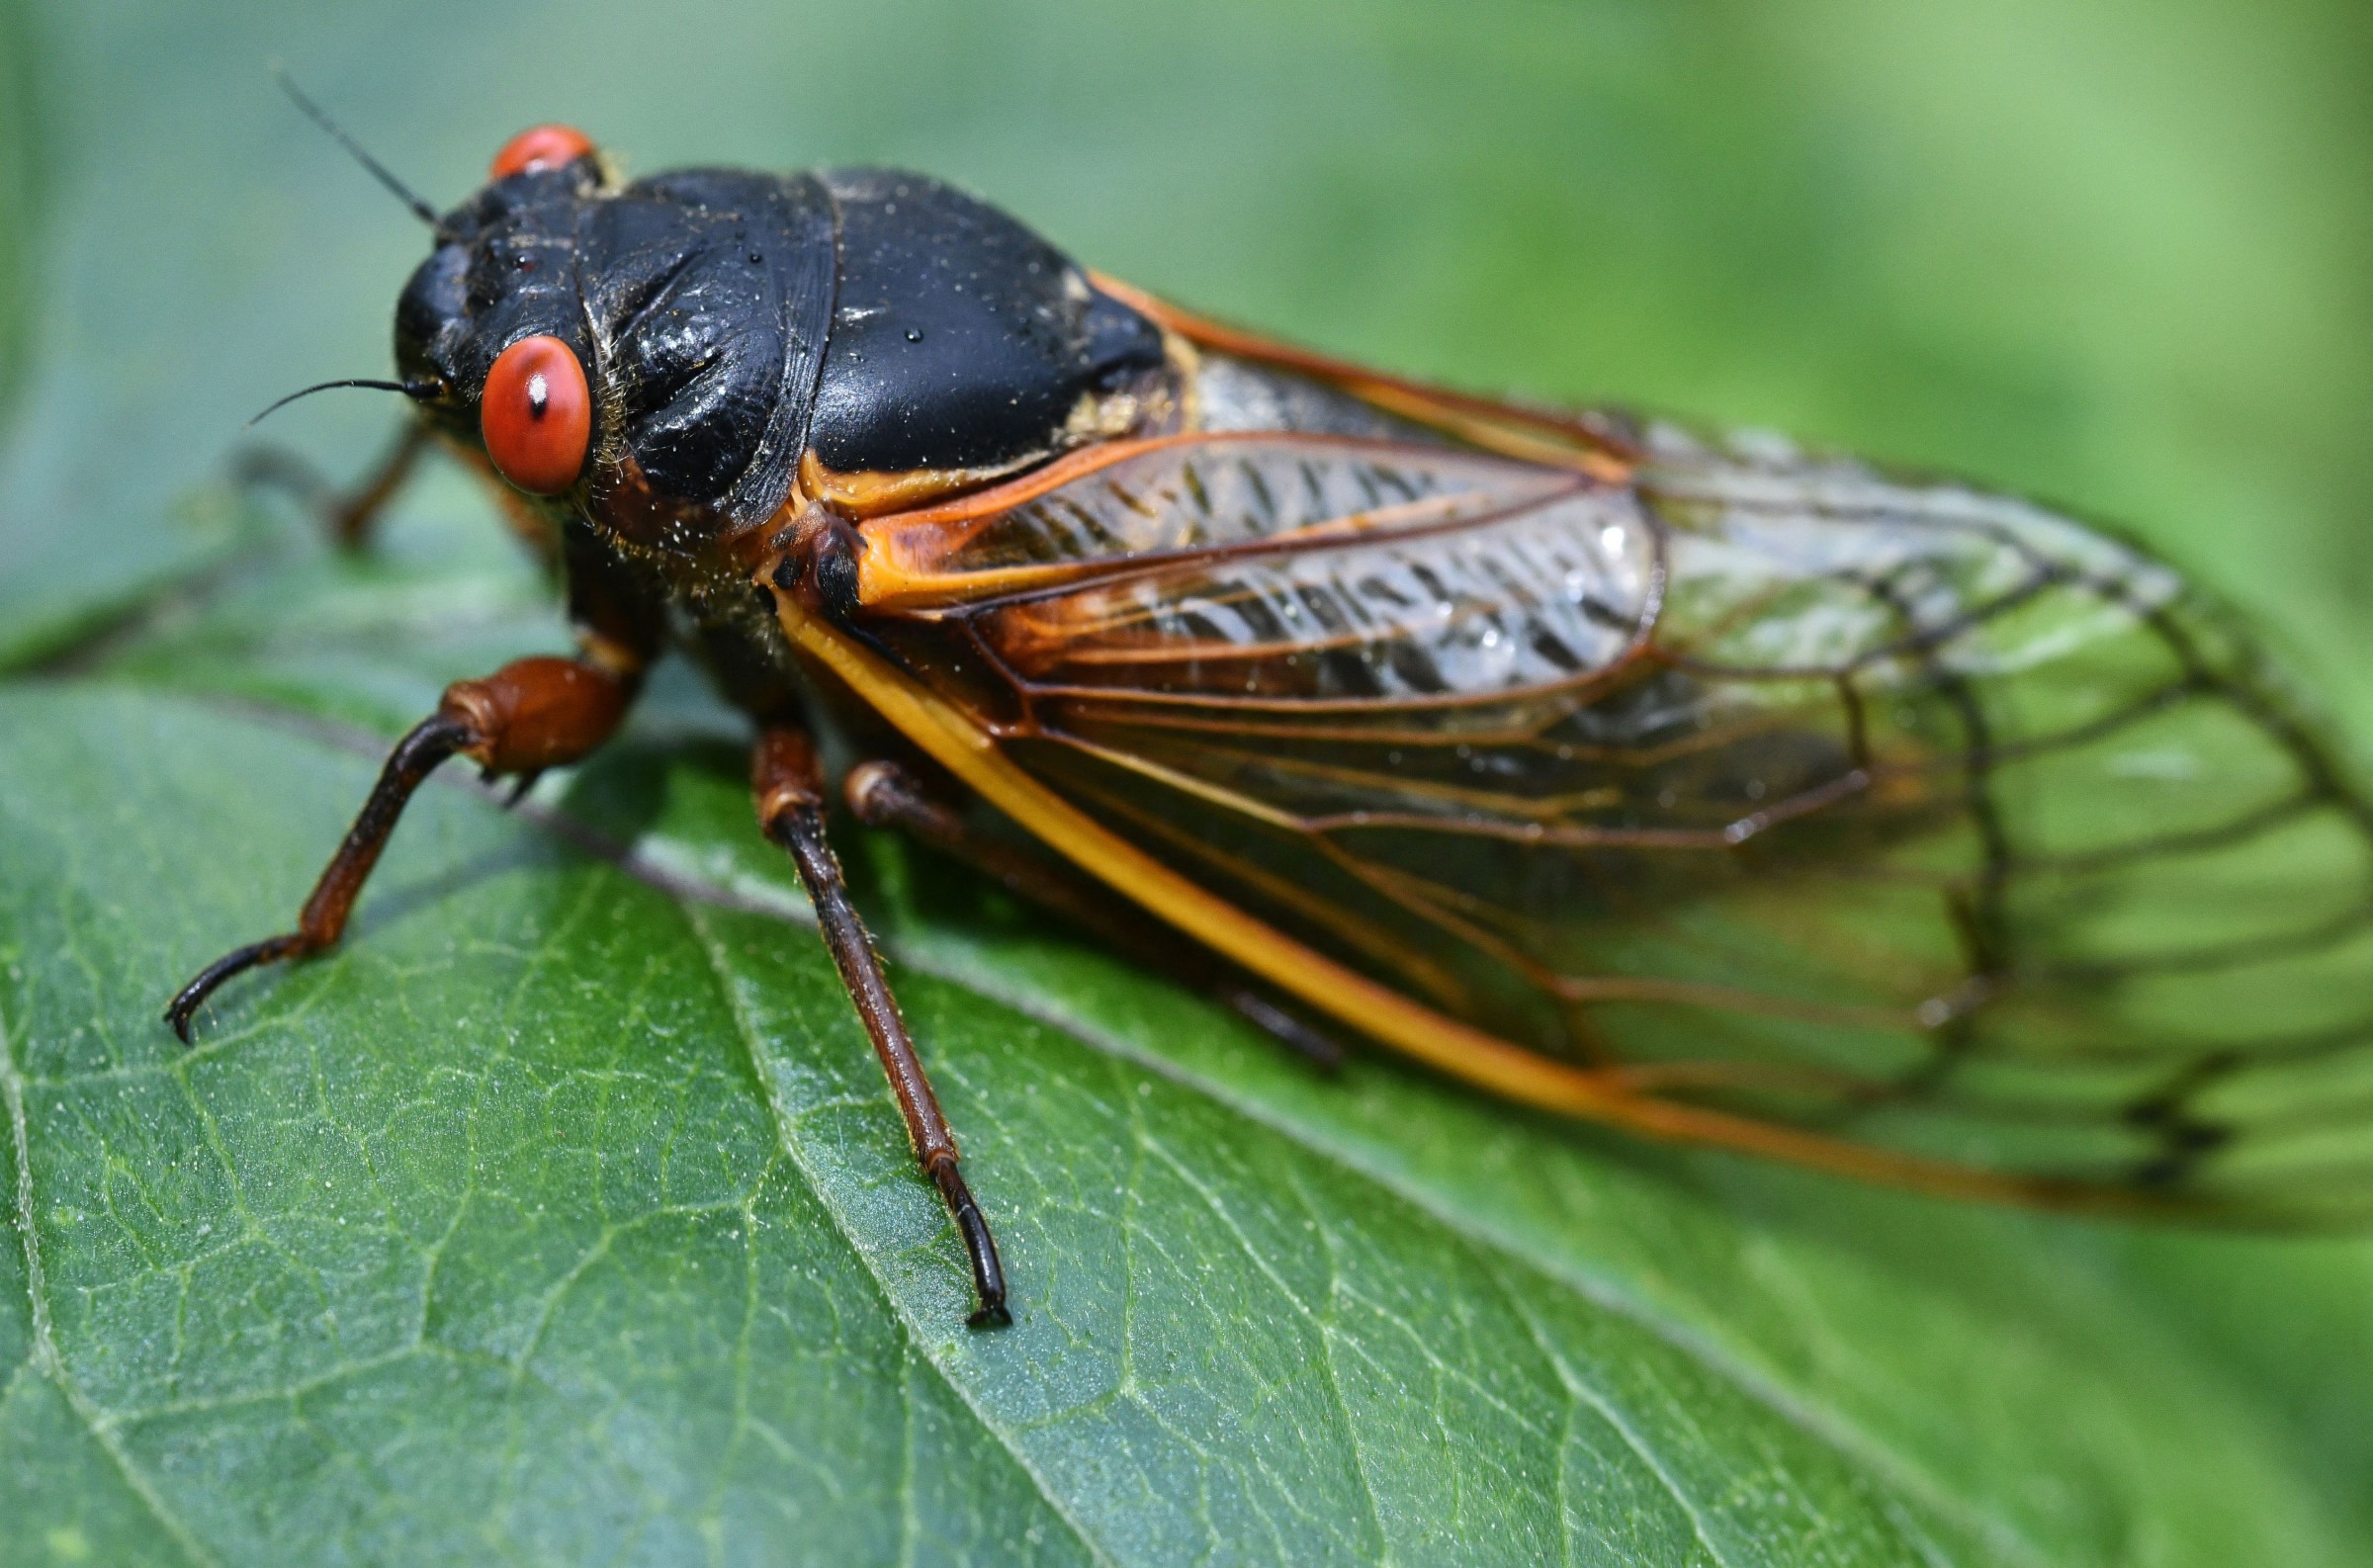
(1912, 816)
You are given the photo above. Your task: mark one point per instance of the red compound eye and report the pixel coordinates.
(539, 148)
(536, 415)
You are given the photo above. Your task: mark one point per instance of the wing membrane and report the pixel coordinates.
(1884, 810)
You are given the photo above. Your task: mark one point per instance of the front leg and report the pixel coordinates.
(789, 786)
(530, 714)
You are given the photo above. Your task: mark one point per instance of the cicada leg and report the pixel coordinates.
(789, 786)
(884, 794)
(530, 714)
(347, 517)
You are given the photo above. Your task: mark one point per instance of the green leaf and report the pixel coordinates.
(571, 1178)
(561, 1215)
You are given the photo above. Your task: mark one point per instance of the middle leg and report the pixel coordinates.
(789, 786)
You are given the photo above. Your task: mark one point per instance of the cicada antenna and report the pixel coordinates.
(417, 391)
(337, 133)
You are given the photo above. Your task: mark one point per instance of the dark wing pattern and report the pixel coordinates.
(1907, 814)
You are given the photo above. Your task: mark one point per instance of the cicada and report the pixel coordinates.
(1707, 789)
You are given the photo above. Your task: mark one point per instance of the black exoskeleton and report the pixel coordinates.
(732, 323)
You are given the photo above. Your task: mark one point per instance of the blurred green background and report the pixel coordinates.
(2118, 254)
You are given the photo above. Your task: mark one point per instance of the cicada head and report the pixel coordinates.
(644, 353)
(492, 320)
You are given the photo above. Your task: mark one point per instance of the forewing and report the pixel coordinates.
(1888, 809)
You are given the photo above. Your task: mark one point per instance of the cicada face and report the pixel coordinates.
(503, 268)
